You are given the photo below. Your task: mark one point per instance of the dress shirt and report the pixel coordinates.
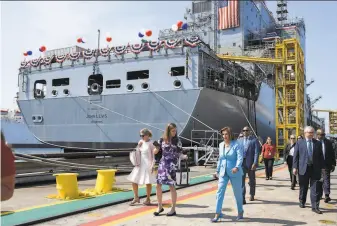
(323, 148)
(291, 152)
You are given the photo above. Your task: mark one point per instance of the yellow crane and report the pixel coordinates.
(289, 87)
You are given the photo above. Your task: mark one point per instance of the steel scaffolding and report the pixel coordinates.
(289, 87)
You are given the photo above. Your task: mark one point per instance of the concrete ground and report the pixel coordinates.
(275, 204)
(34, 196)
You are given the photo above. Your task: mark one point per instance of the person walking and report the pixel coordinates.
(143, 174)
(171, 149)
(268, 155)
(229, 169)
(330, 163)
(250, 160)
(309, 164)
(288, 155)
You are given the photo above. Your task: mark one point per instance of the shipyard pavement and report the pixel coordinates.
(275, 204)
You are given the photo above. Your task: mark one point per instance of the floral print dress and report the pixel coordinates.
(167, 165)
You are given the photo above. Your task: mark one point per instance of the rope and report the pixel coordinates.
(57, 163)
(52, 164)
(60, 162)
(107, 109)
(250, 125)
(183, 111)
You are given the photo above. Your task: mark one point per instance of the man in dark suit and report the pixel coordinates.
(330, 163)
(250, 161)
(309, 164)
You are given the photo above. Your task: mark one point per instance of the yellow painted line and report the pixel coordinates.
(67, 201)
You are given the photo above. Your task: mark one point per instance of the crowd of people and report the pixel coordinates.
(310, 162)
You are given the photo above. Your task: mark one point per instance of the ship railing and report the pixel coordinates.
(110, 59)
(209, 140)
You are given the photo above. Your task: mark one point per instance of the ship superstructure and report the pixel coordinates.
(101, 98)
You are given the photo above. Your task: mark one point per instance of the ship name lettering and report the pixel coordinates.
(92, 116)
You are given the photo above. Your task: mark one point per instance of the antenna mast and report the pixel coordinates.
(282, 11)
(96, 66)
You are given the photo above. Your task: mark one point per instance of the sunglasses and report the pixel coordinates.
(246, 130)
(142, 135)
(293, 138)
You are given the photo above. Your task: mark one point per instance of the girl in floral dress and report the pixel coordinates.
(170, 147)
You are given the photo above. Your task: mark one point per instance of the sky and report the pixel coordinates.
(29, 25)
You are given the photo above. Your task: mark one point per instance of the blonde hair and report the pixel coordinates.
(228, 130)
(167, 133)
(146, 131)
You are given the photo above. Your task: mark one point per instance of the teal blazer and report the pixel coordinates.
(229, 159)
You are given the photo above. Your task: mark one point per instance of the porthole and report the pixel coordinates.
(177, 84)
(54, 93)
(145, 86)
(94, 87)
(129, 87)
(66, 92)
(33, 118)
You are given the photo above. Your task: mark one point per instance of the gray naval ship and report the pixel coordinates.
(100, 98)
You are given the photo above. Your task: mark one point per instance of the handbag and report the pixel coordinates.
(182, 174)
(135, 157)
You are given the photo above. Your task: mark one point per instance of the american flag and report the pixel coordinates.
(228, 14)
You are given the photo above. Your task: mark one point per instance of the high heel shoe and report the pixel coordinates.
(157, 213)
(216, 219)
(240, 216)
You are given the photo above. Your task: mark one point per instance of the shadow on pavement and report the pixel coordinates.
(245, 220)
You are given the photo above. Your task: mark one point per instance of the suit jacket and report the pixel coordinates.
(300, 159)
(286, 151)
(329, 155)
(230, 159)
(252, 149)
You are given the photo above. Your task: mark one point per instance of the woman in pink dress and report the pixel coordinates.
(144, 174)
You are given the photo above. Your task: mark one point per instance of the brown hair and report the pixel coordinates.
(228, 130)
(167, 134)
(270, 139)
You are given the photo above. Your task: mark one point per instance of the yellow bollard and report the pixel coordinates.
(66, 185)
(105, 180)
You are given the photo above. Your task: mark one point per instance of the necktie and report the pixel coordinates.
(310, 150)
(244, 147)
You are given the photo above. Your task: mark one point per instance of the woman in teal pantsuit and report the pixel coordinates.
(229, 169)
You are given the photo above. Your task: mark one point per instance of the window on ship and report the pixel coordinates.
(116, 83)
(134, 75)
(177, 71)
(60, 82)
(199, 7)
(40, 88)
(95, 84)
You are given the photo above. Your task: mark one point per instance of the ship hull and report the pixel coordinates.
(114, 121)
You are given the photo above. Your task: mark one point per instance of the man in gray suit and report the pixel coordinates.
(308, 162)
(250, 161)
